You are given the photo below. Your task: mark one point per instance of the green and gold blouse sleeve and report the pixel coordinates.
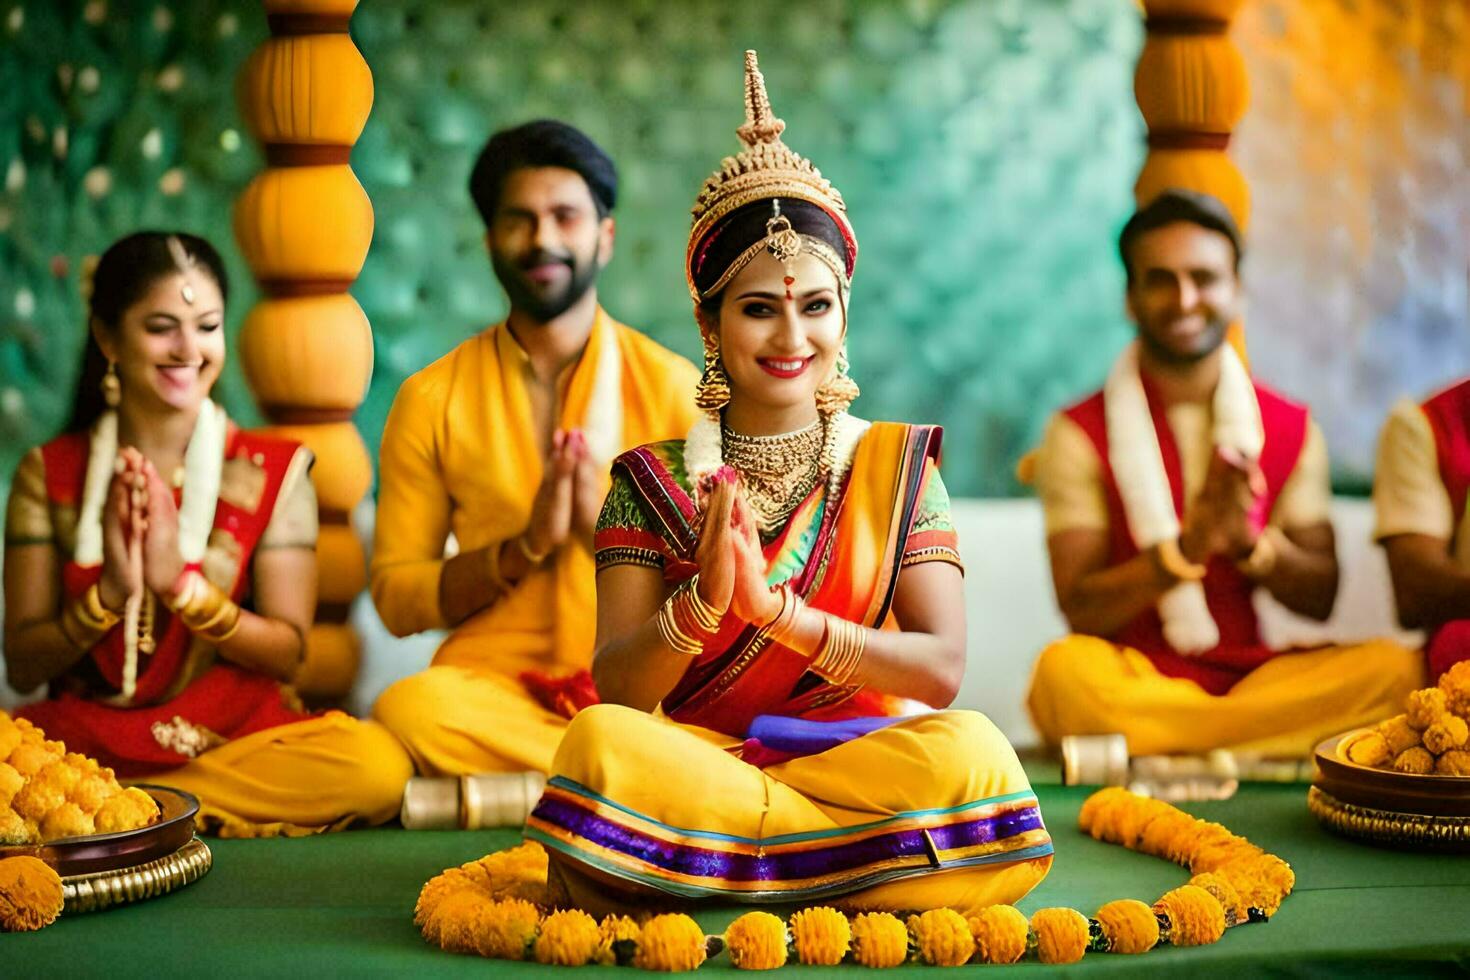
(623, 535)
(28, 512)
(933, 536)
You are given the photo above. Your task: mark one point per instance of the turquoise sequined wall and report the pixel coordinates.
(986, 148)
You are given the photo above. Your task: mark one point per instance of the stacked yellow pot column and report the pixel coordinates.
(1192, 89)
(304, 225)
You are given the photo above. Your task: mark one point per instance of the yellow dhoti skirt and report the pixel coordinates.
(932, 811)
(320, 774)
(1083, 685)
(458, 721)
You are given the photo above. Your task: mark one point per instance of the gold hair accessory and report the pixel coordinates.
(185, 263)
(111, 386)
(204, 608)
(765, 168)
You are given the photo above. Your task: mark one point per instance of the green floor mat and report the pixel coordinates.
(342, 905)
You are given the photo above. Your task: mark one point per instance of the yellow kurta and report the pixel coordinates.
(461, 455)
(1084, 685)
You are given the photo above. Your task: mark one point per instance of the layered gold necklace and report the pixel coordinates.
(777, 472)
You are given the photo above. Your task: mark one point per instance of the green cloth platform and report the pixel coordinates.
(342, 905)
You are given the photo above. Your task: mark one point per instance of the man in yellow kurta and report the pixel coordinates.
(1171, 497)
(1419, 493)
(506, 444)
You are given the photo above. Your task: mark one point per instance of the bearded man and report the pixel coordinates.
(506, 442)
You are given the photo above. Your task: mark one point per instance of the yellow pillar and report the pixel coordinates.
(1192, 89)
(304, 225)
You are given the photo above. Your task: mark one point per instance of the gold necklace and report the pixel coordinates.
(777, 472)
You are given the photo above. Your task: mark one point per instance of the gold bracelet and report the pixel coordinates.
(676, 625)
(533, 558)
(205, 609)
(85, 620)
(1172, 560)
(781, 628)
(705, 615)
(1262, 559)
(841, 651)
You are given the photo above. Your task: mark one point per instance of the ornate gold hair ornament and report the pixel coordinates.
(766, 169)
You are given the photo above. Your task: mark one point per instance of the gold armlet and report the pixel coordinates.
(205, 609)
(1172, 560)
(686, 622)
(841, 651)
(85, 620)
(1262, 559)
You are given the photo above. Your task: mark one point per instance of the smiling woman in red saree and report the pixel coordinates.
(778, 593)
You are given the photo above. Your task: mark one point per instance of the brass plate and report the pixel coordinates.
(72, 856)
(1387, 827)
(1386, 790)
(95, 892)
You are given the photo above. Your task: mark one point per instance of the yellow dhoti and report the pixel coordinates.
(320, 774)
(1083, 685)
(456, 720)
(931, 811)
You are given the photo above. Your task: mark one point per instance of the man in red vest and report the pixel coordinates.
(1171, 496)
(1419, 491)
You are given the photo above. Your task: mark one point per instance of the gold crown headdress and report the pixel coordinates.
(766, 169)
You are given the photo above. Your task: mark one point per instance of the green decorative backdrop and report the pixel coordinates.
(987, 150)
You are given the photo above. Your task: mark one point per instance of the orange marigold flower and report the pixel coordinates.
(615, 930)
(879, 940)
(30, 894)
(821, 936)
(506, 928)
(567, 938)
(1129, 926)
(670, 944)
(1224, 891)
(757, 941)
(1000, 934)
(943, 937)
(1195, 916)
(1061, 935)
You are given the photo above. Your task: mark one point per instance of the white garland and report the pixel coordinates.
(603, 427)
(203, 463)
(1138, 470)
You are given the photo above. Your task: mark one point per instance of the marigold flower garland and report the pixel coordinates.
(487, 907)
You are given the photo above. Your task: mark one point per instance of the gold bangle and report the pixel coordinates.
(85, 620)
(1262, 559)
(706, 615)
(841, 651)
(1172, 560)
(205, 609)
(530, 555)
(781, 628)
(678, 623)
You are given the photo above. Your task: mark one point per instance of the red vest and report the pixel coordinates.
(1449, 419)
(1226, 589)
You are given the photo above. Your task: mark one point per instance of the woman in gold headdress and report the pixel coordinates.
(160, 571)
(773, 592)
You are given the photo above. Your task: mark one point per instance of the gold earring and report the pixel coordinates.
(713, 392)
(839, 390)
(111, 386)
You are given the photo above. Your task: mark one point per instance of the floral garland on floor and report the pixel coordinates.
(488, 907)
